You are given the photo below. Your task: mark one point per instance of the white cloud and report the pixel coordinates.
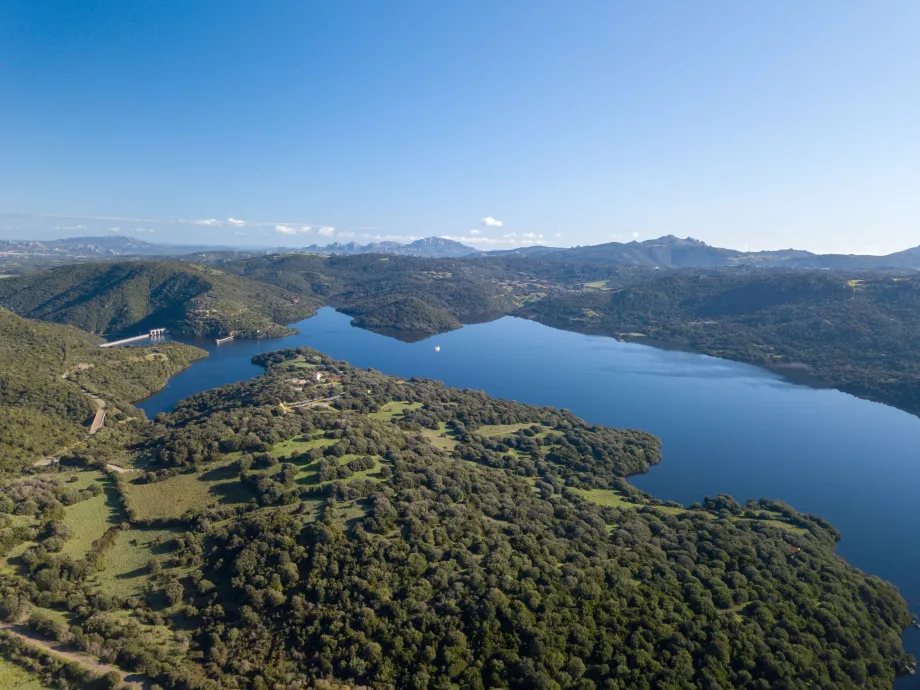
(532, 236)
(402, 239)
(215, 223)
(143, 229)
(510, 239)
(635, 235)
(475, 232)
(114, 229)
(235, 223)
(292, 229)
(558, 234)
(493, 222)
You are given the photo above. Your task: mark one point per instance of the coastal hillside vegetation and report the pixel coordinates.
(858, 333)
(129, 298)
(855, 331)
(53, 379)
(326, 526)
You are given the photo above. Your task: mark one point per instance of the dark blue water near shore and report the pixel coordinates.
(725, 427)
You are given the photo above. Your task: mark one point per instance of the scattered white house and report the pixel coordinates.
(318, 375)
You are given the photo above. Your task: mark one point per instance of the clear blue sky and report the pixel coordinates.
(758, 124)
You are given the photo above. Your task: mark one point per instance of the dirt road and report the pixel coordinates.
(63, 651)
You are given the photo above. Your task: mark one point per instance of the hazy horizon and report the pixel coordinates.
(71, 233)
(758, 126)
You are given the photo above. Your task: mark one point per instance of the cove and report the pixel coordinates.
(726, 427)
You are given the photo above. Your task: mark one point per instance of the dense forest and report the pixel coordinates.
(403, 296)
(53, 379)
(326, 526)
(128, 298)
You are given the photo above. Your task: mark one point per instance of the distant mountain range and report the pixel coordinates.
(663, 252)
(96, 247)
(433, 247)
(671, 251)
(100, 247)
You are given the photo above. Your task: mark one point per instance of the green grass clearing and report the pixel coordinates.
(309, 474)
(502, 429)
(795, 529)
(605, 497)
(438, 440)
(352, 512)
(173, 496)
(158, 636)
(14, 677)
(299, 445)
(125, 572)
(10, 562)
(84, 479)
(614, 499)
(393, 410)
(597, 284)
(22, 520)
(301, 362)
(88, 520)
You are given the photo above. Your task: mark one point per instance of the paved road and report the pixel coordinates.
(99, 419)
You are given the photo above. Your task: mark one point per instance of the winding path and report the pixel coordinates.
(69, 653)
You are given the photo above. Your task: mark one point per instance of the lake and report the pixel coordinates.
(725, 427)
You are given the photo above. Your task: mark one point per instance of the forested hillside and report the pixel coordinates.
(128, 298)
(404, 296)
(355, 529)
(854, 331)
(53, 378)
(858, 334)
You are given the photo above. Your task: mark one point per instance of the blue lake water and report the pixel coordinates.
(725, 427)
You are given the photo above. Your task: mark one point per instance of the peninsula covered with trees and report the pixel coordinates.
(333, 526)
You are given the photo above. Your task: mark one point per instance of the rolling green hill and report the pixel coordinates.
(407, 297)
(368, 531)
(854, 331)
(128, 298)
(53, 377)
